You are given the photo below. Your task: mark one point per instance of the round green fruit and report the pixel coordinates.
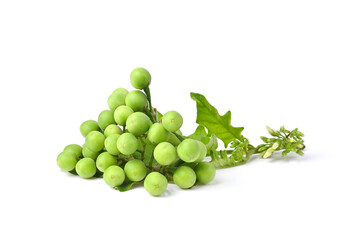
(66, 161)
(136, 100)
(135, 170)
(155, 183)
(116, 99)
(105, 118)
(172, 121)
(112, 129)
(188, 150)
(88, 126)
(105, 160)
(127, 143)
(95, 141)
(184, 177)
(121, 114)
(114, 176)
(110, 144)
(140, 78)
(75, 148)
(205, 172)
(138, 123)
(165, 153)
(86, 168)
(157, 133)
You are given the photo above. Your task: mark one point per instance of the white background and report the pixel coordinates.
(269, 62)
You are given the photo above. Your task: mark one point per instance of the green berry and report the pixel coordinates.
(66, 161)
(140, 78)
(135, 170)
(155, 183)
(114, 176)
(77, 149)
(184, 177)
(86, 168)
(88, 126)
(172, 121)
(205, 172)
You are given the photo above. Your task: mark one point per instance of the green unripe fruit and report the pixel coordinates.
(184, 177)
(155, 183)
(172, 121)
(77, 149)
(140, 78)
(116, 99)
(127, 143)
(86, 152)
(203, 151)
(112, 129)
(86, 168)
(105, 160)
(122, 90)
(173, 139)
(188, 150)
(105, 118)
(95, 141)
(136, 100)
(138, 123)
(157, 133)
(121, 114)
(165, 153)
(114, 176)
(110, 144)
(66, 161)
(135, 170)
(205, 172)
(88, 126)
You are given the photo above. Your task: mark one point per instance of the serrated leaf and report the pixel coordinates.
(200, 134)
(208, 116)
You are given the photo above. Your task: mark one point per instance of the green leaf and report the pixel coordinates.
(148, 153)
(200, 134)
(208, 116)
(125, 186)
(212, 144)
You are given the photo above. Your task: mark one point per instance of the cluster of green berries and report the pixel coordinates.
(115, 144)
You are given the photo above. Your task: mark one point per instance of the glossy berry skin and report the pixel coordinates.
(140, 78)
(184, 177)
(205, 172)
(127, 143)
(136, 100)
(135, 170)
(75, 148)
(165, 153)
(121, 114)
(116, 99)
(86, 152)
(86, 168)
(138, 123)
(110, 144)
(203, 151)
(172, 121)
(66, 161)
(122, 90)
(114, 176)
(105, 118)
(88, 126)
(157, 133)
(105, 160)
(188, 150)
(112, 129)
(155, 183)
(95, 141)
